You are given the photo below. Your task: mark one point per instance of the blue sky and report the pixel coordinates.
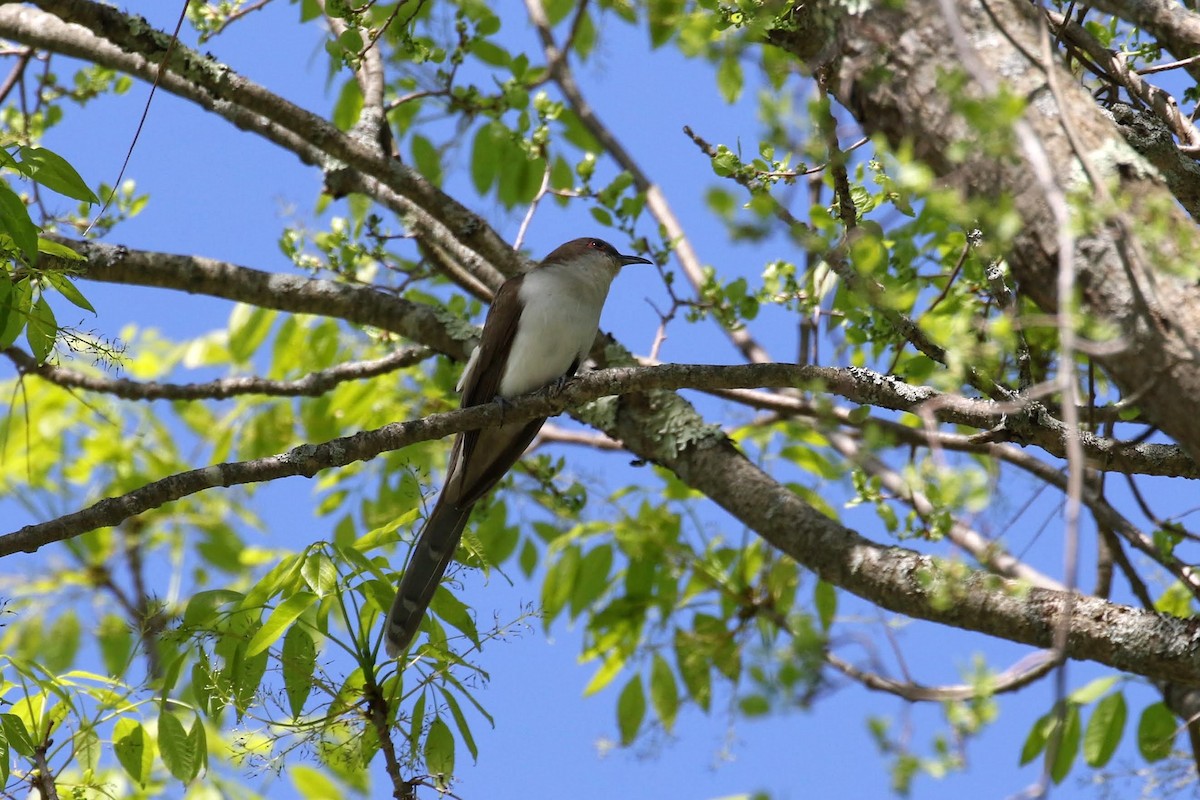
(219, 192)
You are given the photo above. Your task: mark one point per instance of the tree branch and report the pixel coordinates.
(311, 385)
(362, 305)
(1018, 676)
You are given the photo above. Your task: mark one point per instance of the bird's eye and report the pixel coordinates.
(594, 244)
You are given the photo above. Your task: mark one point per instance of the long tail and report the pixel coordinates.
(432, 554)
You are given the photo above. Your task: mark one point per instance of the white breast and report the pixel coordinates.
(560, 314)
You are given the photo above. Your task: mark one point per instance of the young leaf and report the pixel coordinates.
(1035, 742)
(41, 330)
(1104, 730)
(298, 661)
(283, 615)
(116, 643)
(18, 304)
(560, 581)
(439, 748)
(198, 741)
(52, 171)
(15, 221)
(1086, 695)
(312, 784)
(132, 748)
(460, 722)
(426, 158)
(67, 289)
(695, 671)
(592, 578)
(825, 599)
(664, 694)
(175, 747)
(631, 708)
(453, 611)
(1068, 745)
(1156, 732)
(52, 248)
(17, 734)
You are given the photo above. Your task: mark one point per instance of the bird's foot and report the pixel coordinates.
(558, 384)
(505, 404)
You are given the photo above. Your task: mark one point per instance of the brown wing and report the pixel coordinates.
(480, 458)
(499, 330)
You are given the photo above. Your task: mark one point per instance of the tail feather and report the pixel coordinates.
(428, 562)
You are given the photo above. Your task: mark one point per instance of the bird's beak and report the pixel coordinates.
(627, 260)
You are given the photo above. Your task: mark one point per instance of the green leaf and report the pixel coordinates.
(825, 600)
(490, 145)
(312, 784)
(52, 248)
(86, 744)
(351, 41)
(61, 644)
(349, 105)
(198, 741)
(17, 734)
(729, 78)
(426, 158)
(298, 661)
(1086, 695)
(248, 329)
(244, 675)
(116, 643)
(452, 610)
(593, 578)
(319, 573)
(664, 694)
(18, 306)
(439, 749)
(694, 668)
(132, 748)
(613, 663)
(559, 583)
(489, 53)
(754, 705)
(15, 221)
(67, 289)
(1068, 745)
(1176, 601)
(41, 330)
(202, 607)
(631, 708)
(52, 171)
(460, 721)
(283, 615)
(1156, 732)
(175, 748)
(1104, 730)
(1035, 742)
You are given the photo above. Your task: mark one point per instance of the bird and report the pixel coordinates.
(538, 331)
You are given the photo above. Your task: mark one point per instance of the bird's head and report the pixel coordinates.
(589, 251)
